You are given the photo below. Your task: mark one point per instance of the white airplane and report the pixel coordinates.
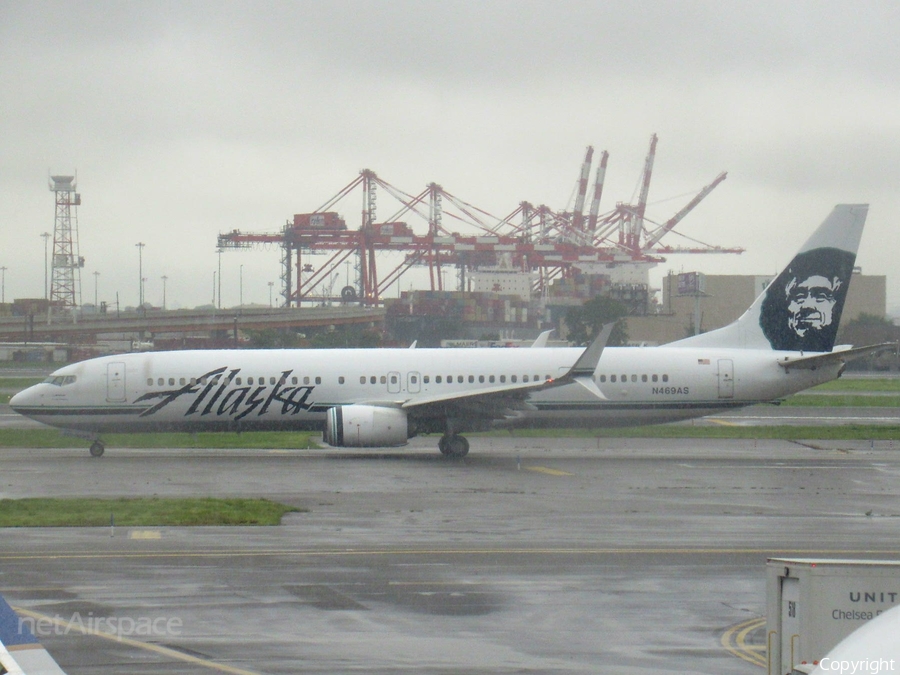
(872, 649)
(382, 397)
(20, 651)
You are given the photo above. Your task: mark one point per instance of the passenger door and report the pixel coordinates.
(115, 382)
(726, 378)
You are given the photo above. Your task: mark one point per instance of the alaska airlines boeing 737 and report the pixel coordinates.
(382, 397)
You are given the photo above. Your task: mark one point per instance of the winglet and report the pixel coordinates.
(541, 340)
(587, 362)
(583, 370)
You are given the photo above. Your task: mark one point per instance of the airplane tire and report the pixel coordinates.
(97, 449)
(454, 446)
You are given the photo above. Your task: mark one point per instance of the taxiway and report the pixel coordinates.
(531, 556)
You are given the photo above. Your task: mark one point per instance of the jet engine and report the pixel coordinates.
(365, 426)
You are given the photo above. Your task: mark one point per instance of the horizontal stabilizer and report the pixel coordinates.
(843, 356)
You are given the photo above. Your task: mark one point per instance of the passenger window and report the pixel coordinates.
(318, 380)
(306, 380)
(524, 378)
(373, 380)
(293, 380)
(171, 381)
(249, 380)
(503, 378)
(426, 379)
(612, 378)
(459, 378)
(548, 377)
(149, 381)
(665, 378)
(603, 378)
(393, 379)
(624, 378)
(160, 381)
(472, 378)
(481, 378)
(634, 378)
(181, 381)
(655, 378)
(643, 378)
(271, 380)
(341, 380)
(513, 378)
(383, 379)
(491, 379)
(237, 381)
(438, 379)
(414, 379)
(362, 379)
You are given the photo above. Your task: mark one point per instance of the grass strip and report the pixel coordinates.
(847, 432)
(812, 400)
(19, 383)
(257, 440)
(861, 384)
(139, 512)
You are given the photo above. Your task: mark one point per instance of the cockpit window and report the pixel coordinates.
(60, 380)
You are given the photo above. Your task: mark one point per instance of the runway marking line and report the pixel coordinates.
(547, 470)
(159, 649)
(145, 534)
(734, 640)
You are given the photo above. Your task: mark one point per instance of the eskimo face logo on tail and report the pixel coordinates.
(802, 307)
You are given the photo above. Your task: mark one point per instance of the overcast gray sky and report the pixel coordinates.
(187, 119)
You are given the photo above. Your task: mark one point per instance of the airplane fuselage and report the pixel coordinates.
(294, 389)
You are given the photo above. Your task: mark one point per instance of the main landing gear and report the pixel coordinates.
(454, 446)
(97, 449)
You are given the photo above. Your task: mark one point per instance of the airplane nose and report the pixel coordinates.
(22, 399)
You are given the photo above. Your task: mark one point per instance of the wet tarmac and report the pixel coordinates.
(530, 556)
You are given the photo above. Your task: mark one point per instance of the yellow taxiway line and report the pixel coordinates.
(734, 640)
(159, 649)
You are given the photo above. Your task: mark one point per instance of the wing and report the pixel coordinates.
(20, 652)
(508, 400)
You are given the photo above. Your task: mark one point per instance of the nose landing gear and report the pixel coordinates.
(97, 449)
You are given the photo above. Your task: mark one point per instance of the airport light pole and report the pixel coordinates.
(220, 280)
(46, 237)
(271, 284)
(3, 285)
(140, 247)
(96, 277)
(164, 280)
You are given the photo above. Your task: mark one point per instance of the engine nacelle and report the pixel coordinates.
(366, 426)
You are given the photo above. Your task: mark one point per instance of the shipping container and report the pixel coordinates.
(320, 221)
(812, 604)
